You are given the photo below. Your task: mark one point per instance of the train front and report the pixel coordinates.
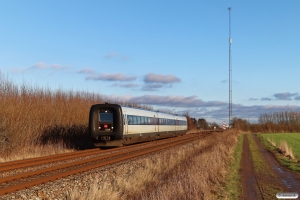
(106, 124)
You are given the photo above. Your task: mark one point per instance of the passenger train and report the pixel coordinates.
(116, 125)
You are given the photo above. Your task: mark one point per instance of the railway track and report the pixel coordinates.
(54, 167)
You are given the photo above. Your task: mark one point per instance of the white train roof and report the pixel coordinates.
(149, 113)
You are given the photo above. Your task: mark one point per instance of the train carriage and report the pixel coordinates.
(115, 125)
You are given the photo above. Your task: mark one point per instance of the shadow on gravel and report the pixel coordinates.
(75, 136)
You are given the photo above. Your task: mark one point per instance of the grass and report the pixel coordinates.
(292, 140)
(193, 171)
(291, 157)
(232, 187)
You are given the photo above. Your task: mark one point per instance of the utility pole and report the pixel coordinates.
(230, 70)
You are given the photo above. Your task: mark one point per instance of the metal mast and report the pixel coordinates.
(230, 70)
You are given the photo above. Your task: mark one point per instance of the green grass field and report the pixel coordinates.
(292, 139)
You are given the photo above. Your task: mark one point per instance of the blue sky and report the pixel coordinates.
(172, 55)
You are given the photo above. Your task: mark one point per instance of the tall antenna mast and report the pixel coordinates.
(230, 70)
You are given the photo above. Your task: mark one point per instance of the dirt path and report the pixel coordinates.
(249, 182)
(261, 184)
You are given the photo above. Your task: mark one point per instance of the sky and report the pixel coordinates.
(172, 55)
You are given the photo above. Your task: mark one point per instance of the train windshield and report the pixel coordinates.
(106, 116)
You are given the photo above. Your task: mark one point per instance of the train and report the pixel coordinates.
(113, 125)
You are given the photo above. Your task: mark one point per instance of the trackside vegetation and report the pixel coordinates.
(196, 170)
(232, 188)
(285, 146)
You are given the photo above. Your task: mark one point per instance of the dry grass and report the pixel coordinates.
(286, 150)
(272, 142)
(36, 151)
(193, 171)
(34, 118)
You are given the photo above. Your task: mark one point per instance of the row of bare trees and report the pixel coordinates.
(286, 121)
(275, 122)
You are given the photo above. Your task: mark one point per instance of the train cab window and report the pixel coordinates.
(106, 116)
(106, 120)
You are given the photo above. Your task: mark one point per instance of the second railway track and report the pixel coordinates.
(67, 164)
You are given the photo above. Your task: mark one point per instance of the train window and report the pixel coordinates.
(142, 120)
(129, 118)
(133, 120)
(105, 116)
(181, 122)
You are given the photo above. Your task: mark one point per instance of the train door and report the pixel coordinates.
(125, 122)
(175, 123)
(156, 123)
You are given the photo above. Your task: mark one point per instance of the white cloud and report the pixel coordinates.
(40, 66)
(129, 85)
(159, 78)
(111, 77)
(86, 71)
(114, 55)
(285, 96)
(111, 55)
(170, 101)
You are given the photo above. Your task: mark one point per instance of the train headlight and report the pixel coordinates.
(99, 127)
(112, 128)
